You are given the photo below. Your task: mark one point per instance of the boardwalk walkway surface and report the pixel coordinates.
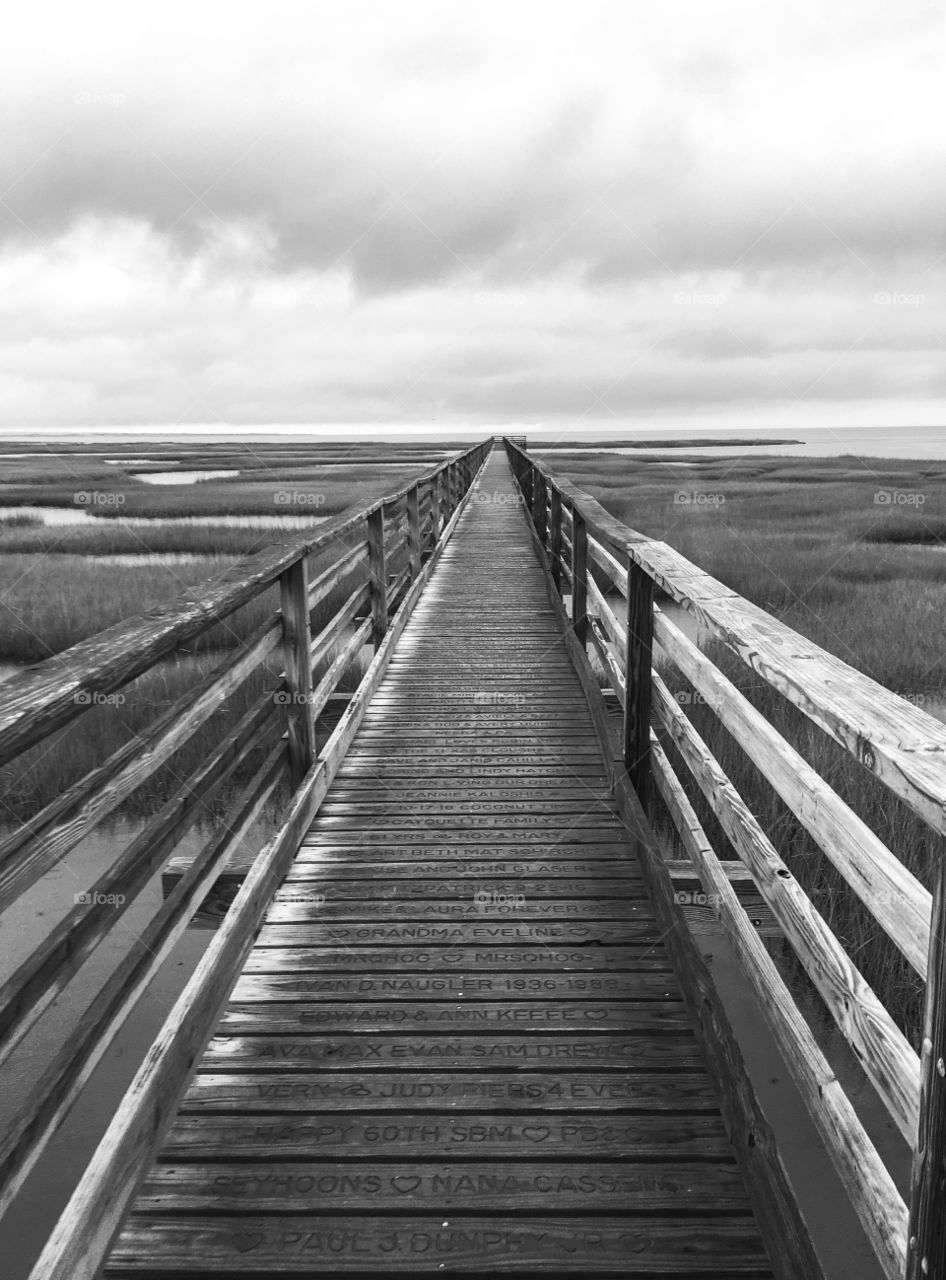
(458, 1044)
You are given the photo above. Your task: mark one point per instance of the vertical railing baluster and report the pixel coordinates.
(579, 577)
(413, 530)
(639, 659)
(926, 1255)
(297, 664)
(378, 570)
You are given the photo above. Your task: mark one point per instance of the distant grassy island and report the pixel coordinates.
(691, 442)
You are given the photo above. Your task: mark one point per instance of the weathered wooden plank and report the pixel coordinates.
(362, 1051)
(453, 1091)
(302, 904)
(299, 889)
(468, 847)
(430, 818)
(638, 1245)
(324, 1136)
(650, 1017)
(446, 959)
(323, 1187)
(462, 933)
(349, 869)
(431, 985)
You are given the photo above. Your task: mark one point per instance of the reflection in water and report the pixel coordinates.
(182, 477)
(839, 1240)
(79, 515)
(33, 1215)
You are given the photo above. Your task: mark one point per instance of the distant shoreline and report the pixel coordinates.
(698, 442)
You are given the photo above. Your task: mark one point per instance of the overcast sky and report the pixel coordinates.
(582, 215)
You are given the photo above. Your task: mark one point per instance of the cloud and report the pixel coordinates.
(549, 209)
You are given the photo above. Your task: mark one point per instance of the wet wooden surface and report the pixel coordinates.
(458, 1044)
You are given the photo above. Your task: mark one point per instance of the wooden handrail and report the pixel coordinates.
(901, 745)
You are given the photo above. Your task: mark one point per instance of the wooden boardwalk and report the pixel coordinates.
(458, 1044)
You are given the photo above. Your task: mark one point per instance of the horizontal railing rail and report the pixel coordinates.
(349, 585)
(614, 577)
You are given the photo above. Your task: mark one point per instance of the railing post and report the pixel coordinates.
(926, 1254)
(377, 568)
(297, 663)
(555, 537)
(413, 530)
(639, 660)
(538, 504)
(525, 482)
(436, 509)
(579, 577)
